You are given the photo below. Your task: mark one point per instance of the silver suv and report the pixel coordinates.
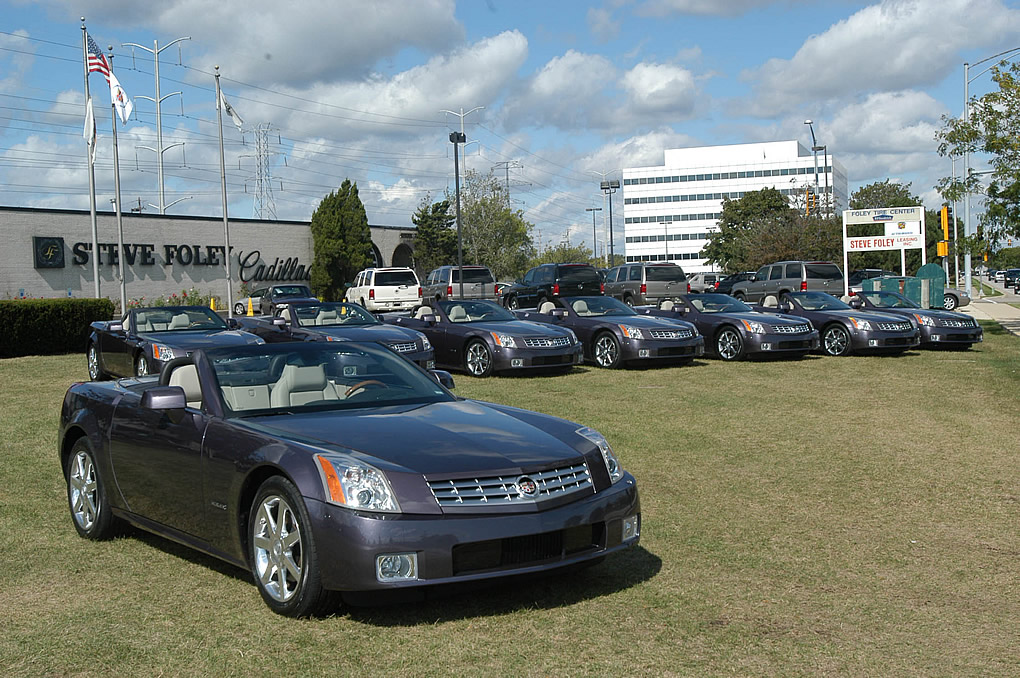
(791, 276)
(643, 283)
(444, 283)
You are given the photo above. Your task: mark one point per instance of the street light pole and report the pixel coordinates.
(610, 187)
(814, 149)
(594, 234)
(458, 138)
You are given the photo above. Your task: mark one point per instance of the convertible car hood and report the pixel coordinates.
(769, 318)
(439, 438)
(190, 339)
(872, 316)
(383, 333)
(525, 328)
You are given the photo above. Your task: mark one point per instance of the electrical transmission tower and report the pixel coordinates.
(264, 204)
(506, 166)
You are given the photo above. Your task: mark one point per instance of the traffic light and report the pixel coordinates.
(942, 248)
(944, 218)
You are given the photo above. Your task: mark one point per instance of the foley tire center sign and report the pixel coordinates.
(904, 230)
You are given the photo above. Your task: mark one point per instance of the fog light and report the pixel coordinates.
(396, 566)
(766, 347)
(631, 527)
(516, 362)
(873, 342)
(431, 364)
(936, 337)
(642, 353)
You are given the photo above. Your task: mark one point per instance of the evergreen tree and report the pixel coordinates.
(341, 242)
(435, 242)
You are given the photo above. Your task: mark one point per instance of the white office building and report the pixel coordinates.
(669, 210)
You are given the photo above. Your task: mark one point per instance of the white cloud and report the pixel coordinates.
(660, 8)
(660, 88)
(602, 25)
(16, 63)
(894, 45)
(566, 93)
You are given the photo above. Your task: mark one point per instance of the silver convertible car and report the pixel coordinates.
(329, 468)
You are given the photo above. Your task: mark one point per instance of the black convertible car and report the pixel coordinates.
(845, 329)
(326, 467)
(613, 333)
(147, 338)
(733, 330)
(938, 327)
(481, 337)
(332, 321)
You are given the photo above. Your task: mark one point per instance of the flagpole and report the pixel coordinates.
(223, 186)
(92, 168)
(116, 189)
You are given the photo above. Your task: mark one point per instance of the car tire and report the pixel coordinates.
(240, 309)
(96, 372)
(282, 552)
(141, 365)
(86, 493)
(729, 345)
(629, 300)
(836, 340)
(478, 359)
(605, 351)
(949, 302)
(512, 303)
(739, 296)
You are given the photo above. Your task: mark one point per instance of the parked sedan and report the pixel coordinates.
(845, 329)
(938, 327)
(147, 338)
(614, 334)
(376, 477)
(733, 330)
(481, 337)
(339, 321)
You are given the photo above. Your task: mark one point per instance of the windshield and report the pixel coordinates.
(333, 313)
(474, 311)
(291, 291)
(298, 376)
(817, 301)
(395, 278)
(664, 274)
(174, 318)
(823, 272)
(579, 273)
(599, 306)
(718, 303)
(888, 300)
(473, 275)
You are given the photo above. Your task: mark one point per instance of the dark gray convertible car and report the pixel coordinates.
(938, 327)
(147, 338)
(333, 467)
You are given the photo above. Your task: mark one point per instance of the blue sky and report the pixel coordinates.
(355, 89)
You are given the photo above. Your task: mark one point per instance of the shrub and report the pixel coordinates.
(47, 326)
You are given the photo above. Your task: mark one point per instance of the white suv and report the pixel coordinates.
(386, 289)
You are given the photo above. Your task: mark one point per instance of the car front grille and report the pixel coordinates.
(671, 334)
(951, 322)
(546, 342)
(502, 490)
(530, 549)
(894, 327)
(791, 329)
(404, 347)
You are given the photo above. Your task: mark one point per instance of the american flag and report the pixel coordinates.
(97, 61)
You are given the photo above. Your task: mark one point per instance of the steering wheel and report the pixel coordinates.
(363, 384)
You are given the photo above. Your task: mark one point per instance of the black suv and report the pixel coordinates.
(544, 282)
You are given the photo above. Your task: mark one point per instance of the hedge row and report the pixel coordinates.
(47, 326)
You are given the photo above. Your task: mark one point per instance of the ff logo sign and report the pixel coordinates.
(49, 252)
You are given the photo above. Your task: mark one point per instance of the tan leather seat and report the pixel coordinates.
(179, 322)
(186, 376)
(666, 305)
(423, 311)
(299, 385)
(327, 317)
(458, 314)
(547, 307)
(770, 301)
(580, 307)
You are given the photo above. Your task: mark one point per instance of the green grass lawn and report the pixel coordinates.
(854, 516)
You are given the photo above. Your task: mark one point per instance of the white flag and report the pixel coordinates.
(90, 130)
(229, 110)
(120, 99)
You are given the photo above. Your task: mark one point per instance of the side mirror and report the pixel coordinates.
(164, 398)
(559, 313)
(348, 285)
(444, 378)
(278, 321)
(856, 302)
(429, 319)
(233, 324)
(115, 326)
(786, 307)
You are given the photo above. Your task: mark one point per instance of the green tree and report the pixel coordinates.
(883, 194)
(992, 129)
(564, 253)
(492, 233)
(435, 241)
(341, 242)
(735, 245)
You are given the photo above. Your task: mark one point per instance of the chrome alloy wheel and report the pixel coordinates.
(607, 351)
(83, 490)
(93, 360)
(141, 366)
(729, 345)
(479, 361)
(836, 340)
(279, 556)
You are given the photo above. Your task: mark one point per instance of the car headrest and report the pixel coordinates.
(546, 307)
(423, 311)
(457, 313)
(666, 305)
(310, 378)
(179, 321)
(328, 317)
(580, 307)
(770, 301)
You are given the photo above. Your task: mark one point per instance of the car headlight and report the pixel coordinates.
(162, 352)
(612, 463)
(631, 332)
(573, 337)
(355, 484)
(861, 324)
(504, 340)
(755, 327)
(426, 345)
(925, 320)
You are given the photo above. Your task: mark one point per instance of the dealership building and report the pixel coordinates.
(48, 253)
(670, 209)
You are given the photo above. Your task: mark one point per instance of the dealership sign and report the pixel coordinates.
(904, 230)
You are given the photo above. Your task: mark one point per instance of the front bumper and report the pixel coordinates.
(951, 336)
(781, 343)
(662, 349)
(425, 359)
(879, 339)
(454, 548)
(536, 358)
